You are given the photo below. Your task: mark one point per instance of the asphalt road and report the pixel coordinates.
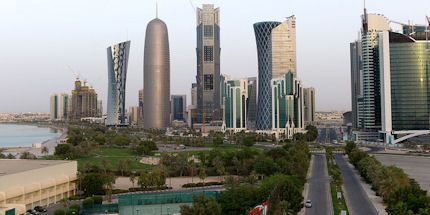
(321, 135)
(356, 198)
(319, 188)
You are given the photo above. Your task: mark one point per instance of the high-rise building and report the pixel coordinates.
(133, 114)
(371, 111)
(117, 58)
(194, 94)
(100, 108)
(309, 104)
(157, 76)
(84, 102)
(263, 31)
(283, 40)
(178, 107)
(404, 62)
(287, 105)
(251, 103)
(356, 83)
(59, 106)
(208, 64)
(236, 102)
(140, 115)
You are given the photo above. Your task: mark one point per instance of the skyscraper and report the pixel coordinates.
(208, 64)
(309, 104)
(140, 115)
(156, 76)
(179, 107)
(356, 83)
(84, 102)
(283, 41)
(194, 94)
(59, 106)
(263, 31)
(117, 58)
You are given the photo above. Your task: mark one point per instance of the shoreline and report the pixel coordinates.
(50, 143)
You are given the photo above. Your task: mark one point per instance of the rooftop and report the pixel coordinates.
(12, 166)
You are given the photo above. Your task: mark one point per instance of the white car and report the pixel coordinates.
(308, 204)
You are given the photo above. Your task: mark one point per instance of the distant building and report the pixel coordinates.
(59, 104)
(157, 76)
(140, 115)
(84, 102)
(236, 102)
(287, 106)
(117, 56)
(178, 107)
(194, 94)
(100, 108)
(309, 104)
(208, 64)
(133, 115)
(25, 184)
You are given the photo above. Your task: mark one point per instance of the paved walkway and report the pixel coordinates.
(174, 182)
(50, 144)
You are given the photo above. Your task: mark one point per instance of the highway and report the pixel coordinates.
(356, 198)
(319, 188)
(327, 135)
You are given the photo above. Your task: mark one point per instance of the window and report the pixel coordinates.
(208, 53)
(209, 83)
(208, 31)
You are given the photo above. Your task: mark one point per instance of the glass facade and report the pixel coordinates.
(117, 73)
(410, 92)
(263, 31)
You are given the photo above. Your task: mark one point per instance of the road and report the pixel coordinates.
(327, 135)
(319, 188)
(321, 135)
(356, 198)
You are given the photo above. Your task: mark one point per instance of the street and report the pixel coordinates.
(356, 198)
(319, 188)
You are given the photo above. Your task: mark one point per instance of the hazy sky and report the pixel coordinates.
(40, 39)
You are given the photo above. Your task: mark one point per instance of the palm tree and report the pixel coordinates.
(191, 166)
(132, 179)
(109, 181)
(202, 173)
(65, 202)
(45, 150)
(104, 163)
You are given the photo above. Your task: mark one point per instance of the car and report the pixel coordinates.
(308, 203)
(40, 209)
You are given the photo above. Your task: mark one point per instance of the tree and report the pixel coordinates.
(45, 150)
(238, 200)
(285, 208)
(274, 201)
(350, 146)
(108, 182)
(146, 148)
(132, 179)
(63, 149)
(230, 181)
(202, 173)
(27, 155)
(202, 206)
(10, 156)
(265, 166)
(104, 164)
(59, 212)
(65, 202)
(92, 184)
(191, 167)
(217, 140)
(219, 166)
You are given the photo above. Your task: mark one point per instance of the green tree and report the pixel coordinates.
(265, 166)
(59, 212)
(63, 149)
(350, 146)
(132, 179)
(202, 206)
(44, 150)
(65, 203)
(202, 173)
(92, 184)
(217, 140)
(146, 148)
(238, 200)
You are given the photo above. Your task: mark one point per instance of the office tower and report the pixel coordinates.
(140, 115)
(133, 112)
(287, 105)
(356, 83)
(53, 113)
(236, 102)
(117, 58)
(208, 64)
(178, 107)
(100, 108)
(84, 101)
(371, 110)
(251, 103)
(309, 104)
(194, 94)
(263, 31)
(404, 62)
(283, 41)
(157, 76)
(59, 106)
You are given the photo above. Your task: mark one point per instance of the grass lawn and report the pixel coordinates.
(111, 151)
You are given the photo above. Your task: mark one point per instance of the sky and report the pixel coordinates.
(44, 43)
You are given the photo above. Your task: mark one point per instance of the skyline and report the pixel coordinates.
(38, 47)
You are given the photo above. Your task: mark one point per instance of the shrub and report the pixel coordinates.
(76, 207)
(72, 212)
(59, 212)
(88, 201)
(98, 200)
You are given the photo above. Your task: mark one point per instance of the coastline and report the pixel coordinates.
(49, 143)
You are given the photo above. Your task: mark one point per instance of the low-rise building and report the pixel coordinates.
(25, 184)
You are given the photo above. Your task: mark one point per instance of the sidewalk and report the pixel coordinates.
(305, 192)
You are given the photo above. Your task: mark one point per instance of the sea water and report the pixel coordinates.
(24, 135)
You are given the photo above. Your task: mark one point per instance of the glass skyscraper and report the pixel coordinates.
(117, 58)
(263, 31)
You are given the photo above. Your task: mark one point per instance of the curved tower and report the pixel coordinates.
(117, 57)
(156, 76)
(263, 31)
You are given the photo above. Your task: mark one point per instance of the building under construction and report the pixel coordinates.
(84, 102)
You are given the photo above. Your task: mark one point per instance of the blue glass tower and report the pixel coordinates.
(263, 32)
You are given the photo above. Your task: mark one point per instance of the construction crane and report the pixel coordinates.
(411, 27)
